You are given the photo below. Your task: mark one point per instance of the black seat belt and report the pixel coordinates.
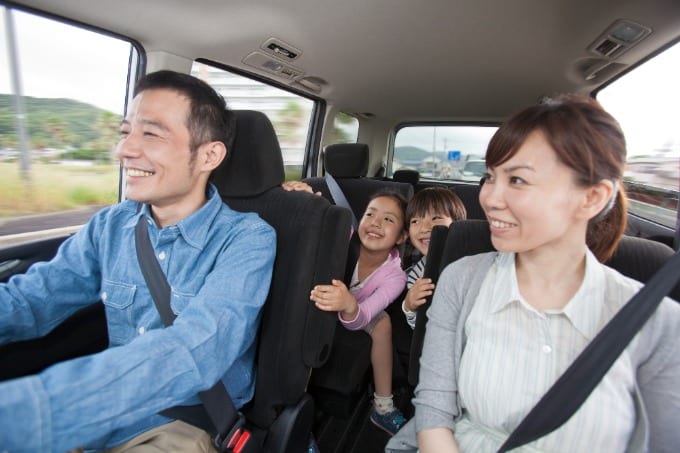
(578, 381)
(232, 436)
(339, 197)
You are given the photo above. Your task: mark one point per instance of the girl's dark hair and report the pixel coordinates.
(397, 197)
(435, 199)
(209, 118)
(586, 139)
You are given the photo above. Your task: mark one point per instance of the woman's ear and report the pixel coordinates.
(597, 198)
(212, 154)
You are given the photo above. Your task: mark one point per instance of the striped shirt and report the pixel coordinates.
(503, 330)
(412, 274)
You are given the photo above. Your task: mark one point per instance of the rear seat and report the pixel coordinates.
(348, 164)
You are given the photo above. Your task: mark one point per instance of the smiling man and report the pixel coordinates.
(218, 263)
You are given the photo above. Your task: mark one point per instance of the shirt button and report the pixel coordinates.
(546, 349)
(161, 256)
(141, 330)
(104, 296)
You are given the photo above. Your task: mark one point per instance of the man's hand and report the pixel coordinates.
(415, 297)
(335, 297)
(299, 186)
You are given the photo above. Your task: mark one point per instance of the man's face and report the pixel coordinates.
(154, 151)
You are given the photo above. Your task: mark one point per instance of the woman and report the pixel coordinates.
(497, 339)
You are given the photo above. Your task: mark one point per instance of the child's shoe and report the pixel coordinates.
(390, 422)
(312, 447)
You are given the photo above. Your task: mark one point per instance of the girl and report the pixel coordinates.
(505, 325)
(429, 207)
(377, 280)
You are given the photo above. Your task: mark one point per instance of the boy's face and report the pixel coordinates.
(420, 228)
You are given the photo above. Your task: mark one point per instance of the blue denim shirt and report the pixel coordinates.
(218, 263)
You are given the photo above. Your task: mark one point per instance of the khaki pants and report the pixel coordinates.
(175, 436)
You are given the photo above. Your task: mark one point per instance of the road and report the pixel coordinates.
(26, 224)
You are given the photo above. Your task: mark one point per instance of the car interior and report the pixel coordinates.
(389, 65)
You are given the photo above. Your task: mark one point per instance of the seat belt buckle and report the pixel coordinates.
(237, 440)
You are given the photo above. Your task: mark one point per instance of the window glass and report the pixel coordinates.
(645, 102)
(289, 113)
(345, 129)
(442, 152)
(62, 95)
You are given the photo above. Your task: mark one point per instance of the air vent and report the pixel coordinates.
(272, 66)
(607, 47)
(618, 38)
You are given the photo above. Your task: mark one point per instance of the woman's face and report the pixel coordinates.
(531, 200)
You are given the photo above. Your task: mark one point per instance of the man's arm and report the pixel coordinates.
(78, 401)
(34, 303)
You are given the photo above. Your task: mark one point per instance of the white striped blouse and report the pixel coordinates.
(515, 353)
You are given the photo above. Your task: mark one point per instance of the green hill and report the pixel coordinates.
(58, 123)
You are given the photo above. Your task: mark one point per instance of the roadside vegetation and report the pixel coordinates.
(54, 187)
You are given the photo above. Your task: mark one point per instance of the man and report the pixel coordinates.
(218, 263)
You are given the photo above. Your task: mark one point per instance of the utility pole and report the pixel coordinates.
(17, 96)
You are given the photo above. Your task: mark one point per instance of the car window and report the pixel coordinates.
(62, 96)
(345, 129)
(645, 102)
(437, 152)
(289, 113)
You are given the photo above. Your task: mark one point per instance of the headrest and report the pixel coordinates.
(254, 164)
(410, 176)
(346, 160)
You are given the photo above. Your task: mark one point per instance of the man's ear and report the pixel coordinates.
(596, 198)
(211, 155)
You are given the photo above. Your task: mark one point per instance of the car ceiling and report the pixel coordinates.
(401, 60)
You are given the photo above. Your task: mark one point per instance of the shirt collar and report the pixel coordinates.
(582, 310)
(505, 289)
(194, 228)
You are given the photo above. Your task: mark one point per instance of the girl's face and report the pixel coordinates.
(420, 228)
(381, 227)
(532, 201)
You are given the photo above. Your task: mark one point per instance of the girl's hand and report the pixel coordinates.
(415, 297)
(335, 297)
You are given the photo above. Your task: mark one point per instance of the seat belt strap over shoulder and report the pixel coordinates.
(339, 197)
(565, 397)
(232, 436)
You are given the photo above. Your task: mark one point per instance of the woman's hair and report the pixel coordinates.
(435, 200)
(397, 197)
(586, 139)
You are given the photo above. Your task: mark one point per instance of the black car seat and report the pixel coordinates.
(339, 384)
(348, 164)
(634, 257)
(408, 176)
(312, 239)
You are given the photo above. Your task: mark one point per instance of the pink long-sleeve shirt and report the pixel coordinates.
(381, 288)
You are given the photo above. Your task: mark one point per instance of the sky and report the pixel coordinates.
(48, 52)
